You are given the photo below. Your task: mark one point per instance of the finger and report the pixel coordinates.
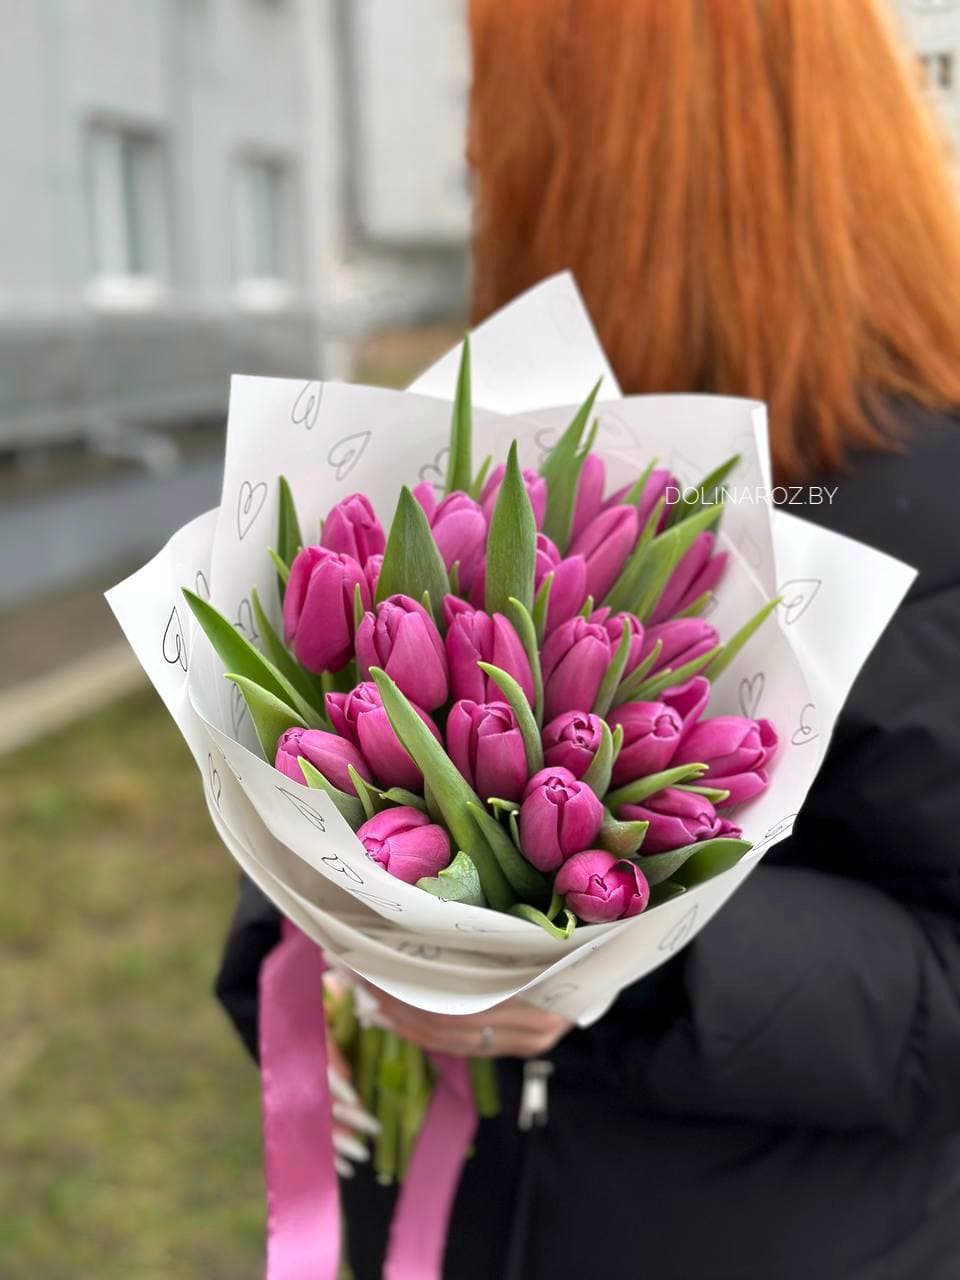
(345, 1144)
(341, 1088)
(343, 1167)
(356, 1118)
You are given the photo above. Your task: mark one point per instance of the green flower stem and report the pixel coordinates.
(486, 1086)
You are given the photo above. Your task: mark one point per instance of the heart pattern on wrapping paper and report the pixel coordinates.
(201, 585)
(305, 810)
(750, 549)
(238, 709)
(750, 693)
(798, 595)
(173, 645)
(805, 732)
(245, 622)
(678, 934)
(435, 472)
(250, 502)
(306, 407)
(216, 782)
(346, 453)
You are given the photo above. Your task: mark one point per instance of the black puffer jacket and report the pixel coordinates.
(782, 1100)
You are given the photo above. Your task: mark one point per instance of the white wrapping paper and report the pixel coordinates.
(332, 439)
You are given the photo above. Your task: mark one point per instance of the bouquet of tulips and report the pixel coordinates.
(497, 731)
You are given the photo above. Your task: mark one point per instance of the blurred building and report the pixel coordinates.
(196, 187)
(933, 27)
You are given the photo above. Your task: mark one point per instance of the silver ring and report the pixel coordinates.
(486, 1039)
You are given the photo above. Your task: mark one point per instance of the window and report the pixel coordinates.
(262, 221)
(938, 68)
(128, 205)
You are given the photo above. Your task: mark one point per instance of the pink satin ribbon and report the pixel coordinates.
(303, 1201)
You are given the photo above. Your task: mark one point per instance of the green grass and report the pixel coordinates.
(130, 1138)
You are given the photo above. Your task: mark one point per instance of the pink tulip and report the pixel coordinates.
(534, 484)
(683, 640)
(403, 639)
(371, 571)
(689, 700)
(677, 818)
(571, 740)
(737, 751)
(699, 571)
(406, 843)
(352, 529)
(485, 743)
(482, 637)
(359, 717)
(574, 660)
(459, 529)
(318, 607)
(605, 544)
(559, 817)
(614, 624)
(598, 888)
(453, 605)
(589, 503)
(651, 735)
(660, 484)
(569, 588)
(325, 751)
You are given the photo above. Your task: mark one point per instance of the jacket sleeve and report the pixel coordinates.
(254, 932)
(826, 992)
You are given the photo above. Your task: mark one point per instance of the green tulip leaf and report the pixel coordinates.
(525, 880)
(411, 562)
(270, 715)
(514, 695)
(561, 932)
(526, 629)
(694, 610)
(368, 795)
(351, 810)
(659, 867)
(646, 573)
(445, 787)
(711, 858)
(306, 684)
(708, 492)
(459, 882)
(289, 537)
(621, 838)
(627, 690)
(666, 891)
(400, 796)
(613, 674)
(736, 642)
(459, 458)
(480, 479)
(670, 677)
(597, 775)
(511, 542)
(638, 790)
(561, 469)
(283, 570)
(541, 606)
(716, 795)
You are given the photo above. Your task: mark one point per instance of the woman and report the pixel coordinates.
(754, 201)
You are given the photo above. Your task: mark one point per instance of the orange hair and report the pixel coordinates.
(753, 195)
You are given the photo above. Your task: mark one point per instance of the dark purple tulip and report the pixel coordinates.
(406, 843)
(482, 637)
(534, 484)
(318, 608)
(459, 529)
(403, 639)
(352, 529)
(574, 660)
(559, 817)
(737, 751)
(485, 743)
(683, 640)
(699, 571)
(589, 503)
(605, 544)
(651, 735)
(359, 716)
(571, 740)
(325, 751)
(598, 888)
(677, 818)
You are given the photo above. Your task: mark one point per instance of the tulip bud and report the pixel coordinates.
(574, 660)
(677, 818)
(569, 588)
(485, 743)
(406, 843)
(359, 716)
(737, 751)
(535, 485)
(699, 571)
(614, 626)
(659, 484)
(326, 752)
(403, 639)
(371, 571)
(605, 544)
(689, 700)
(352, 529)
(318, 607)
(559, 817)
(590, 486)
(571, 740)
(598, 888)
(453, 605)
(482, 637)
(651, 735)
(459, 529)
(683, 640)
